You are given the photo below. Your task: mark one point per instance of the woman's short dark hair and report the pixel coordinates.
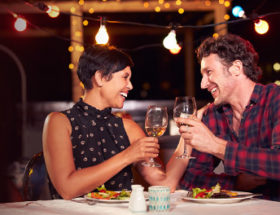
(106, 59)
(229, 48)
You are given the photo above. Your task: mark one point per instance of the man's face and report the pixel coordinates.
(216, 79)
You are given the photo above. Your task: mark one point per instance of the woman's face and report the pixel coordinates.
(115, 91)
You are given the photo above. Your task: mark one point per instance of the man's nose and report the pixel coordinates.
(204, 82)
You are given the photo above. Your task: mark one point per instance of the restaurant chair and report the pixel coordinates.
(35, 179)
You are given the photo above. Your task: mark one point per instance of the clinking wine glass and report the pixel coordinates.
(184, 107)
(156, 121)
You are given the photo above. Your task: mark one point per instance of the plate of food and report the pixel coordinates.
(108, 196)
(217, 196)
(102, 195)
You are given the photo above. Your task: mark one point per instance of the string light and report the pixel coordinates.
(70, 49)
(227, 3)
(85, 22)
(181, 10)
(91, 10)
(175, 50)
(102, 36)
(146, 4)
(261, 26)
(20, 24)
(71, 66)
(157, 9)
(170, 42)
(237, 11)
(276, 67)
(167, 5)
(53, 11)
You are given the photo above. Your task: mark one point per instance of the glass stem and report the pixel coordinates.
(185, 148)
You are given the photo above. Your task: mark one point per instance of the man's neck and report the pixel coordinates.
(242, 97)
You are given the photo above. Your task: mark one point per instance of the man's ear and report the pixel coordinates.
(97, 78)
(236, 68)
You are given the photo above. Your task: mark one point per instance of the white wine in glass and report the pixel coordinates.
(184, 107)
(156, 121)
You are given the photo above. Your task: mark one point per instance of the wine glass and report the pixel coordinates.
(184, 107)
(155, 124)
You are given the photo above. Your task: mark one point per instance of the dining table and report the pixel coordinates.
(178, 206)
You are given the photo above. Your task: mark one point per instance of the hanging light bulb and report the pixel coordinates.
(102, 36)
(170, 42)
(53, 11)
(175, 50)
(237, 11)
(20, 24)
(261, 26)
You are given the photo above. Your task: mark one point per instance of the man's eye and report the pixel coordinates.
(209, 72)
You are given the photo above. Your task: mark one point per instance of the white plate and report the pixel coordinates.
(111, 201)
(223, 200)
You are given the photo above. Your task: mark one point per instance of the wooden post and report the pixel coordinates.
(219, 14)
(189, 64)
(76, 26)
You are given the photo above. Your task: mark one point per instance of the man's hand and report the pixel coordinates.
(196, 134)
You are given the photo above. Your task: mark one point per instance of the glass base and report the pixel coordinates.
(151, 164)
(185, 156)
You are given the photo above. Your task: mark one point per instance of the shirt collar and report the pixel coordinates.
(258, 89)
(92, 111)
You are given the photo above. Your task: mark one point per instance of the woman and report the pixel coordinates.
(87, 146)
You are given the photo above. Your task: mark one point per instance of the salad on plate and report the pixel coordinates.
(104, 194)
(213, 192)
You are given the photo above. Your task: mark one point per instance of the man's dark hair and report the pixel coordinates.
(230, 48)
(106, 59)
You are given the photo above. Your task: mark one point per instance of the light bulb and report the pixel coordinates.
(102, 36)
(53, 11)
(170, 41)
(261, 26)
(238, 11)
(175, 50)
(20, 24)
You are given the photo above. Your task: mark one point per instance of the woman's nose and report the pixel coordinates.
(130, 86)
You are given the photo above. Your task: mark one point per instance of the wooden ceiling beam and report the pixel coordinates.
(113, 6)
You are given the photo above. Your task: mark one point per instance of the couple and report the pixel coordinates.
(87, 146)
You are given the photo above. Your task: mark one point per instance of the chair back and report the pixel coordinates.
(35, 179)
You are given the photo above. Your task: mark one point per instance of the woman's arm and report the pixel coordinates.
(157, 176)
(58, 154)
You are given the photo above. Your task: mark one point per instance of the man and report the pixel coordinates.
(241, 127)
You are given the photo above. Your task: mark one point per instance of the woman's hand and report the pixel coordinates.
(142, 149)
(201, 111)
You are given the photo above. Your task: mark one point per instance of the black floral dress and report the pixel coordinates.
(97, 136)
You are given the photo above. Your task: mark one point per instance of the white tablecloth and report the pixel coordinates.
(178, 207)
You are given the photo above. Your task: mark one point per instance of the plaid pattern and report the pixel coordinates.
(255, 150)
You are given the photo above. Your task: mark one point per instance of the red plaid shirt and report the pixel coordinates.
(255, 149)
